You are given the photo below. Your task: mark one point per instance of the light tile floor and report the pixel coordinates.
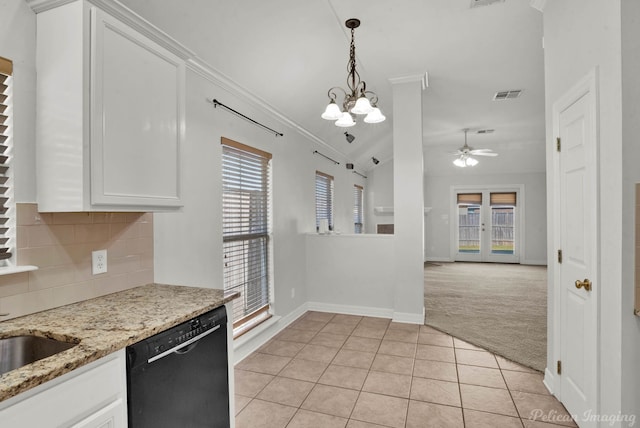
(334, 370)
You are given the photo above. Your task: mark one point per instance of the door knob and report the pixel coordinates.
(586, 284)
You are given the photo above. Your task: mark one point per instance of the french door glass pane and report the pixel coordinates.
(502, 230)
(469, 228)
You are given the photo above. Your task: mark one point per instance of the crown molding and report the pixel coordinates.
(197, 65)
(127, 16)
(193, 62)
(538, 4)
(41, 5)
(423, 78)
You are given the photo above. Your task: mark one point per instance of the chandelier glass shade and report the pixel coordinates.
(357, 100)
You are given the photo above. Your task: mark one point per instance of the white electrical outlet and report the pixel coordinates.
(99, 262)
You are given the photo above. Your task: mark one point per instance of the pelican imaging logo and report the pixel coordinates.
(553, 416)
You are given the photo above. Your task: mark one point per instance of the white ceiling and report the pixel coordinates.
(290, 52)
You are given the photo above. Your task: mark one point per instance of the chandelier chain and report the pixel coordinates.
(351, 67)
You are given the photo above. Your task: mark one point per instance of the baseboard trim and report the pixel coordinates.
(534, 262)
(254, 339)
(438, 259)
(351, 310)
(409, 317)
(549, 380)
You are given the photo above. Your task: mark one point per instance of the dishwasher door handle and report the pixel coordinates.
(182, 345)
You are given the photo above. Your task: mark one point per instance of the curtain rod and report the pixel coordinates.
(217, 103)
(326, 157)
(361, 175)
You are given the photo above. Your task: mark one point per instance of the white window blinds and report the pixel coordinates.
(324, 199)
(358, 217)
(245, 228)
(6, 69)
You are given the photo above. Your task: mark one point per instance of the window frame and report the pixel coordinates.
(7, 205)
(324, 201)
(246, 236)
(358, 209)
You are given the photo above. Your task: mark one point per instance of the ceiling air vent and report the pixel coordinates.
(507, 95)
(478, 3)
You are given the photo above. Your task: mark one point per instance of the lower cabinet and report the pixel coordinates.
(93, 396)
(110, 416)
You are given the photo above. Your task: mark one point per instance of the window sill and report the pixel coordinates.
(8, 270)
(350, 235)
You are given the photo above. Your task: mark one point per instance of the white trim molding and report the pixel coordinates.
(261, 334)
(538, 4)
(424, 78)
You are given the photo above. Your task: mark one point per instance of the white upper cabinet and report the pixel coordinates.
(110, 114)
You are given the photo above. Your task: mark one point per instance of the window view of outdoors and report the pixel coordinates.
(502, 236)
(469, 228)
(473, 215)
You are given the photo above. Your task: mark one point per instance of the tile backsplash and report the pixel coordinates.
(60, 244)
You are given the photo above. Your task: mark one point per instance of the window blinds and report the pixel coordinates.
(245, 227)
(357, 208)
(324, 199)
(503, 199)
(470, 198)
(6, 70)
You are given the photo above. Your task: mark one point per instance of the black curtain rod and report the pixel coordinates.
(217, 103)
(361, 175)
(326, 157)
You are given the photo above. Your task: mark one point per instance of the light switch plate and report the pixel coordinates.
(99, 262)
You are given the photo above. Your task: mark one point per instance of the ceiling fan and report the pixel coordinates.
(464, 154)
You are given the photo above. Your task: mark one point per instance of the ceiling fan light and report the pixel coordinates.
(363, 106)
(345, 121)
(375, 116)
(332, 112)
(471, 161)
(459, 162)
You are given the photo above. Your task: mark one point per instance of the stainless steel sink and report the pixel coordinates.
(19, 351)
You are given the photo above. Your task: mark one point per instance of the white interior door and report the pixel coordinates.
(487, 227)
(577, 202)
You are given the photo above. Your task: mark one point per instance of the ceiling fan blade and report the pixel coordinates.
(485, 154)
(480, 150)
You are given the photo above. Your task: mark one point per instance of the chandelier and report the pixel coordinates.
(357, 100)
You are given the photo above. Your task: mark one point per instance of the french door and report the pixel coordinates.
(487, 225)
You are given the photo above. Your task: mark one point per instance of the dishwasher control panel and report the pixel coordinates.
(179, 335)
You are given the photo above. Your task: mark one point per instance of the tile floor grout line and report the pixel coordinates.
(511, 395)
(370, 370)
(455, 361)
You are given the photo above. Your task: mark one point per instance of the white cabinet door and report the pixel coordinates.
(111, 416)
(110, 113)
(137, 119)
(95, 395)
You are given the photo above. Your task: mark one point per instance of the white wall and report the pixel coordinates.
(378, 193)
(438, 222)
(18, 43)
(188, 244)
(631, 175)
(580, 36)
(351, 274)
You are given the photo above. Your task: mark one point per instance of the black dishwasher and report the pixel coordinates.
(179, 378)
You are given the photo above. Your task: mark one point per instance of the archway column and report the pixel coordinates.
(408, 193)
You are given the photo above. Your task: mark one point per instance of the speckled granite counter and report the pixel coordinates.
(103, 325)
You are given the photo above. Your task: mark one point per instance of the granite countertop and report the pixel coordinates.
(102, 326)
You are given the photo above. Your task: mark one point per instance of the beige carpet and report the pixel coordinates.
(499, 307)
